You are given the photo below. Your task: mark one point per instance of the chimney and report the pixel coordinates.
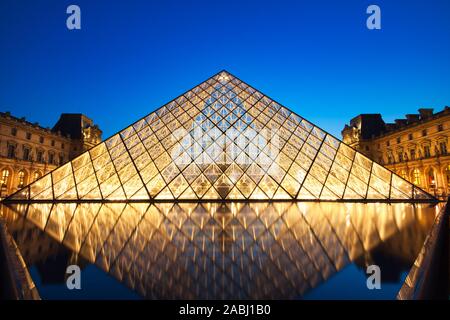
(425, 113)
(412, 118)
(400, 122)
(390, 126)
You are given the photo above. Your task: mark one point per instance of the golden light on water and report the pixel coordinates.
(259, 250)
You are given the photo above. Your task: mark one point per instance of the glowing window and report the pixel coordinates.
(416, 177)
(5, 177)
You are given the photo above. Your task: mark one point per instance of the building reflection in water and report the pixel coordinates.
(222, 250)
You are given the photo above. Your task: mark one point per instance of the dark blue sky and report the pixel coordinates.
(316, 57)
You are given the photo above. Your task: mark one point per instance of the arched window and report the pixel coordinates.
(447, 176)
(403, 174)
(431, 179)
(5, 178)
(21, 179)
(416, 177)
(36, 175)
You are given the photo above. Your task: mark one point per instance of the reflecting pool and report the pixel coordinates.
(260, 250)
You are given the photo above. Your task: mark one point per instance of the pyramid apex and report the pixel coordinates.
(224, 76)
(224, 71)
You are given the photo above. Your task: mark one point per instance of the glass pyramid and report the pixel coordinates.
(221, 140)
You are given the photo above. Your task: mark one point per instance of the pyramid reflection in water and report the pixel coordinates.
(231, 250)
(221, 140)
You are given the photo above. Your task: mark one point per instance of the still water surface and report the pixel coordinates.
(303, 250)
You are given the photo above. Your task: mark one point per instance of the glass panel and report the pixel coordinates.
(201, 185)
(313, 186)
(379, 186)
(357, 185)
(402, 186)
(290, 185)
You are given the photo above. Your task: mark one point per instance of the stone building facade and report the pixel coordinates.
(28, 151)
(415, 148)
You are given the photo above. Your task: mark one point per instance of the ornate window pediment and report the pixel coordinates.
(12, 143)
(442, 138)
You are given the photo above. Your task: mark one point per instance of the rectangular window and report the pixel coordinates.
(400, 157)
(440, 127)
(398, 139)
(51, 158)
(443, 147)
(62, 146)
(410, 136)
(412, 152)
(13, 131)
(39, 156)
(28, 136)
(388, 143)
(11, 151)
(26, 154)
(426, 151)
(424, 133)
(41, 139)
(61, 159)
(53, 143)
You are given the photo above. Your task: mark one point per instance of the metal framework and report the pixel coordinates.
(221, 140)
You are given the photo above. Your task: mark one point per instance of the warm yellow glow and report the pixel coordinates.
(144, 244)
(416, 177)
